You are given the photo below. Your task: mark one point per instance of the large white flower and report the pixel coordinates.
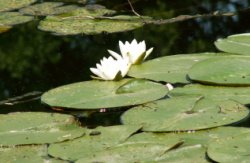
(111, 69)
(135, 52)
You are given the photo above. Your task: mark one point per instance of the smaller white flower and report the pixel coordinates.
(111, 69)
(169, 86)
(135, 52)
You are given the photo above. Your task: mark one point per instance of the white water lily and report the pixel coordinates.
(169, 86)
(111, 69)
(135, 52)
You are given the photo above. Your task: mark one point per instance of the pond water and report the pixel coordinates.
(35, 60)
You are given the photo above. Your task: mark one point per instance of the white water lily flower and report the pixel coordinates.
(111, 69)
(135, 52)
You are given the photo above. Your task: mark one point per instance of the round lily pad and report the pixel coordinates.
(171, 69)
(239, 44)
(104, 94)
(89, 25)
(37, 128)
(222, 71)
(185, 113)
(216, 93)
(231, 149)
(13, 18)
(95, 140)
(24, 154)
(7, 5)
(48, 8)
(126, 153)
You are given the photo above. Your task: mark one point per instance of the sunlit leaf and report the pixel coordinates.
(239, 44)
(104, 94)
(8, 19)
(234, 71)
(171, 69)
(7, 5)
(37, 128)
(48, 8)
(185, 113)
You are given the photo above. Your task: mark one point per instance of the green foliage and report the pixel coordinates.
(184, 113)
(171, 69)
(48, 8)
(7, 5)
(37, 128)
(104, 94)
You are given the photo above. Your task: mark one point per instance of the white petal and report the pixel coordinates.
(148, 52)
(114, 54)
(97, 73)
(169, 86)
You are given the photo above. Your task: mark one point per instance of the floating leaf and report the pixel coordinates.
(104, 94)
(48, 8)
(89, 24)
(24, 154)
(185, 113)
(171, 69)
(37, 128)
(231, 149)
(7, 5)
(233, 71)
(13, 18)
(126, 153)
(95, 140)
(239, 44)
(216, 93)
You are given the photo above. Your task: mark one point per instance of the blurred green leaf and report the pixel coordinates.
(7, 5)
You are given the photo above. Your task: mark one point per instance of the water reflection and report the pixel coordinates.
(33, 60)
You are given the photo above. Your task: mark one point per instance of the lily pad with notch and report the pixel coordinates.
(95, 140)
(37, 128)
(171, 69)
(230, 71)
(185, 113)
(238, 44)
(104, 94)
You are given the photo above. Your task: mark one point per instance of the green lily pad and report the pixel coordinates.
(95, 140)
(104, 94)
(171, 69)
(233, 71)
(185, 113)
(238, 44)
(13, 18)
(126, 153)
(216, 93)
(89, 24)
(37, 128)
(231, 149)
(48, 8)
(24, 154)
(7, 5)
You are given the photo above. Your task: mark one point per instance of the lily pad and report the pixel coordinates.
(95, 140)
(238, 44)
(185, 113)
(104, 94)
(216, 93)
(13, 18)
(126, 153)
(48, 8)
(37, 128)
(171, 69)
(234, 71)
(7, 5)
(24, 154)
(89, 25)
(231, 149)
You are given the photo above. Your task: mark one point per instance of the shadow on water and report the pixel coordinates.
(33, 60)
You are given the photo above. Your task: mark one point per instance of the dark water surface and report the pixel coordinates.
(33, 60)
